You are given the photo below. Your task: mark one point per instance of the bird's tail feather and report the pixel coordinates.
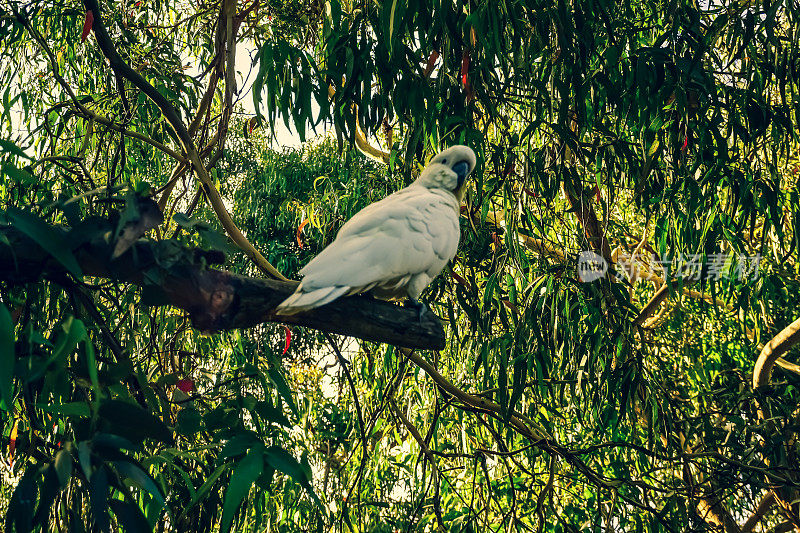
(303, 301)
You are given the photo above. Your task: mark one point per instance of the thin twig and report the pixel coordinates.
(351, 383)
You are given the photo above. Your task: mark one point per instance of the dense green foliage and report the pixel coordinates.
(665, 131)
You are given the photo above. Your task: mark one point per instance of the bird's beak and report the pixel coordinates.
(461, 169)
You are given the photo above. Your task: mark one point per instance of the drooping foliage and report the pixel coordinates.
(656, 138)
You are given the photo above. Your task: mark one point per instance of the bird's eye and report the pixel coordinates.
(444, 161)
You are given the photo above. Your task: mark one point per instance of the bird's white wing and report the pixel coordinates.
(411, 231)
(400, 235)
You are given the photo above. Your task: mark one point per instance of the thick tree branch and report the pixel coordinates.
(775, 348)
(660, 295)
(764, 506)
(712, 511)
(215, 300)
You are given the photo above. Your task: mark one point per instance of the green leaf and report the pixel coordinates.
(188, 421)
(85, 458)
(271, 414)
(215, 240)
(63, 467)
(277, 379)
(48, 490)
(238, 445)
(8, 359)
(51, 240)
(265, 61)
(243, 477)
(91, 362)
(20, 176)
(132, 422)
(79, 409)
(74, 332)
(281, 460)
(130, 517)
(21, 505)
(187, 223)
(206, 486)
(11, 148)
(140, 479)
(98, 498)
(112, 442)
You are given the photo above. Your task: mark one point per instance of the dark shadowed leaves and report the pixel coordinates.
(51, 239)
(132, 422)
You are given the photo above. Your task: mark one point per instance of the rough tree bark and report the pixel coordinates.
(215, 299)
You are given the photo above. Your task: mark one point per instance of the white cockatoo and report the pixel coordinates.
(394, 247)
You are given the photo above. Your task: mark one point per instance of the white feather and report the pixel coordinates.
(394, 247)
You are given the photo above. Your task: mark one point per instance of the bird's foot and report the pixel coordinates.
(419, 306)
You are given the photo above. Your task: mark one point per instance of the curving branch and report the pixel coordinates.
(522, 423)
(367, 149)
(123, 70)
(84, 111)
(361, 139)
(774, 349)
(657, 299)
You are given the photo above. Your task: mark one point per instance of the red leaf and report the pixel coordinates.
(300, 232)
(460, 280)
(431, 62)
(470, 95)
(288, 340)
(685, 142)
(87, 25)
(464, 68)
(185, 385)
(511, 306)
(12, 443)
(597, 194)
(496, 239)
